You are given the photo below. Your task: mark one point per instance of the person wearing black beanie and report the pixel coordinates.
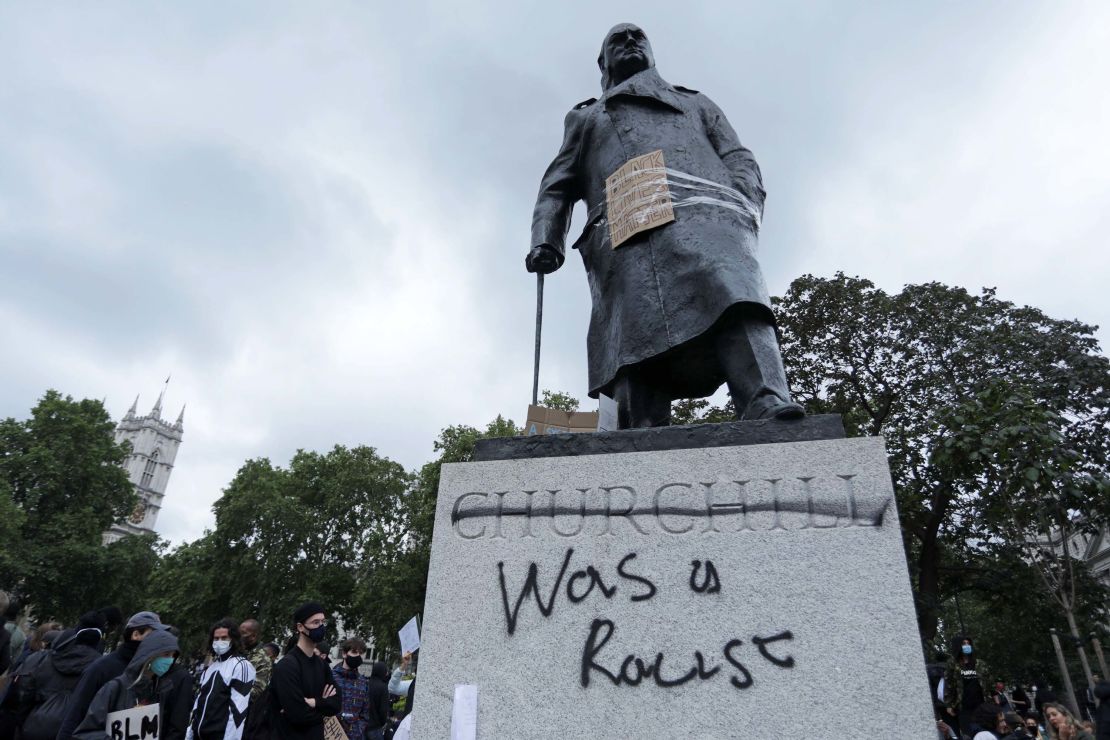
(106, 668)
(303, 690)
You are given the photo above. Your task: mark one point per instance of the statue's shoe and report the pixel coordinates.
(783, 411)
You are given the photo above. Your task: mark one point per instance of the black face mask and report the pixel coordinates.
(316, 634)
(354, 661)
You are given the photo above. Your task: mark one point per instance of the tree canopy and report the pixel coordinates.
(61, 487)
(995, 415)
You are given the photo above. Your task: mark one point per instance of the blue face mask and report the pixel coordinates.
(160, 665)
(966, 649)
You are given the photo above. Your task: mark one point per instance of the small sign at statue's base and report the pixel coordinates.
(542, 420)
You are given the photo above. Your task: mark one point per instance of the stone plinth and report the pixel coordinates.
(728, 434)
(749, 591)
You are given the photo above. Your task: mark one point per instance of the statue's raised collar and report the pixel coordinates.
(646, 84)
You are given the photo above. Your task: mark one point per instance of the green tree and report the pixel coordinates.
(926, 368)
(61, 470)
(999, 600)
(189, 588)
(902, 365)
(559, 400)
(1040, 472)
(700, 411)
(393, 587)
(309, 531)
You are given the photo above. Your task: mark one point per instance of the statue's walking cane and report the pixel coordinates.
(539, 325)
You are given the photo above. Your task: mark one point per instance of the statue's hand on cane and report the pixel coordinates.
(543, 259)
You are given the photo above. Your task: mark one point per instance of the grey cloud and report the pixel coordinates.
(319, 218)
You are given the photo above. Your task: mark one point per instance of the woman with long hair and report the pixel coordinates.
(1062, 724)
(220, 710)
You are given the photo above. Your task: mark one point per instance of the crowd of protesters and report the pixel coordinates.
(969, 707)
(62, 683)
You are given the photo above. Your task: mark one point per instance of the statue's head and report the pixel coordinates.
(624, 52)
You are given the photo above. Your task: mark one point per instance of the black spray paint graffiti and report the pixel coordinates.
(574, 595)
(712, 582)
(581, 583)
(634, 670)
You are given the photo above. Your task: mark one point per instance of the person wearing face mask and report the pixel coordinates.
(963, 688)
(220, 710)
(104, 669)
(302, 688)
(354, 687)
(153, 676)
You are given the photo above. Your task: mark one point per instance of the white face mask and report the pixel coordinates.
(219, 647)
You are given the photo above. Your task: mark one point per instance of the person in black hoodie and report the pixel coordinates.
(302, 689)
(104, 669)
(5, 636)
(153, 675)
(378, 699)
(45, 693)
(1102, 716)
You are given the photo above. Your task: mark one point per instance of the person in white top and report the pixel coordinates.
(220, 710)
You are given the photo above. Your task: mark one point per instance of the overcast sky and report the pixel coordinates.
(314, 215)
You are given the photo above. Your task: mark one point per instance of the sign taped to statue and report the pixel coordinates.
(137, 723)
(637, 197)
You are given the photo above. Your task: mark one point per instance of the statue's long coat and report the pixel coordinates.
(658, 293)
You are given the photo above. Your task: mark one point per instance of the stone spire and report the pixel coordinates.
(180, 423)
(134, 408)
(156, 412)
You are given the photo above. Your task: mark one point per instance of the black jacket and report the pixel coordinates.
(173, 692)
(379, 696)
(1102, 718)
(296, 677)
(5, 646)
(101, 671)
(47, 690)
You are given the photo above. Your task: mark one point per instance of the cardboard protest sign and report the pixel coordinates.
(333, 730)
(137, 723)
(637, 197)
(542, 420)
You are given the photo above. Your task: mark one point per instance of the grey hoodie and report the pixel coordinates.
(136, 686)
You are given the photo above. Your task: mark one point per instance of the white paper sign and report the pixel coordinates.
(137, 723)
(606, 414)
(410, 636)
(464, 713)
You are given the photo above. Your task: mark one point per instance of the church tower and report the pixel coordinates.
(154, 442)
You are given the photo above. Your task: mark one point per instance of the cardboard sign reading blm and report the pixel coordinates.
(706, 592)
(137, 723)
(637, 197)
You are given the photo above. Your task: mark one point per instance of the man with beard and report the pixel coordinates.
(106, 668)
(680, 308)
(248, 634)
